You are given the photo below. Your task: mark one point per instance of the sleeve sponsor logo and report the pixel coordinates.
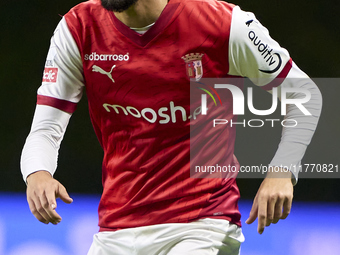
(273, 60)
(50, 75)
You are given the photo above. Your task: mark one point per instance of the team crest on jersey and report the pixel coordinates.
(194, 67)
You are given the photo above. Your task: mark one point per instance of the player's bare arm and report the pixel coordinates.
(273, 200)
(42, 191)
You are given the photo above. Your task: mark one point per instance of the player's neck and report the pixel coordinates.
(143, 13)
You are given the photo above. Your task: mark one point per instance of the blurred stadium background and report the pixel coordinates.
(310, 30)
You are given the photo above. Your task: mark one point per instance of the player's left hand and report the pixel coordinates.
(273, 200)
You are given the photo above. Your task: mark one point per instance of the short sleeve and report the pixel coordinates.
(253, 53)
(63, 81)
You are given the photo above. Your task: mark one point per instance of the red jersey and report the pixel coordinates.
(138, 89)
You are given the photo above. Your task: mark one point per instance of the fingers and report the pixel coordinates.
(34, 210)
(287, 206)
(274, 211)
(272, 203)
(270, 210)
(63, 195)
(278, 211)
(253, 212)
(50, 199)
(42, 191)
(259, 210)
(49, 204)
(41, 206)
(262, 214)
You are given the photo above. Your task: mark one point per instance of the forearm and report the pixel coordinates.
(40, 151)
(294, 140)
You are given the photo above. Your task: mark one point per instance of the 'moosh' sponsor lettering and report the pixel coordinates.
(163, 115)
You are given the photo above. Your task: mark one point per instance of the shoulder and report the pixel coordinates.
(207, 5)
(87, 6)
(216, 13)
(85, 18)
(85, 11)
(215, 3)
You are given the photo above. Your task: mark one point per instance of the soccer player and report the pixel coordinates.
(135, 59)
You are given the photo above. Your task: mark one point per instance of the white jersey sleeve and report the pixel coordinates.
(58, 95)
(63, 80)
(254, 54)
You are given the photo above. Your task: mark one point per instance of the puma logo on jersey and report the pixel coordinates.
(100, 70)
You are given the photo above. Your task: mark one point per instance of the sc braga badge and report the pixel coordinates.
(193, 63)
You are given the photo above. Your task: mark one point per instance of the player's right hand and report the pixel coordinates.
(42, 191)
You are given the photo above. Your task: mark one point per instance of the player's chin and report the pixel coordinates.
(118, 5)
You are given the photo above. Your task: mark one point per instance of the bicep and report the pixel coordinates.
(63, 81)
(253, 53)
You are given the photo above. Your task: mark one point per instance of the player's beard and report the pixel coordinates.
(117, 5)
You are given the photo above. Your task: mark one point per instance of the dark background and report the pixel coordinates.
(310, 30)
